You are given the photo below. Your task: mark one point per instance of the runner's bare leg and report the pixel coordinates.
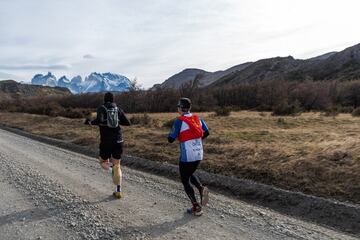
(117, 176)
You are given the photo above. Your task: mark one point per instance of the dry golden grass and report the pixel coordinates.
(309, 153)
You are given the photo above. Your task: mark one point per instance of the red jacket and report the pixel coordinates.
(195, 129)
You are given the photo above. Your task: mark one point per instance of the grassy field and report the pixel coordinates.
(310, 153)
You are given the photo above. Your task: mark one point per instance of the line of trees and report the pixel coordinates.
(277, 96)
(318, 96)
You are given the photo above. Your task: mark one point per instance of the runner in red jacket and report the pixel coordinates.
(189, 129)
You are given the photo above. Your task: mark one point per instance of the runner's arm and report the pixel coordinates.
(123, 120)
(205, 129)
(175, 131)
(99, 118)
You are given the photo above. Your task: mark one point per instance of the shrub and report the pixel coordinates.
(143, 119)
(346, 109)
(332, 112)
(281, 121)
(284, 109)
(262, 114)
(74, 113)
(50, 109)
(339, 109)
(169, 123)
(356, 112)
(222, 111)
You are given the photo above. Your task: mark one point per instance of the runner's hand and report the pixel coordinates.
(87, 121)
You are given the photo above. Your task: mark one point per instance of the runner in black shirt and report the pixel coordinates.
(109, 117)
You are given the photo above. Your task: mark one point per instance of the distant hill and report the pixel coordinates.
(344, 65)
(10, 89)
(206, 78)
(210, 78)
(185, 76)
(323, 56)
(279, 68)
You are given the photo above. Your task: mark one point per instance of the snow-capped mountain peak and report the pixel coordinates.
(63, 81)
(76, 80)
(95, 82)
(47, 80)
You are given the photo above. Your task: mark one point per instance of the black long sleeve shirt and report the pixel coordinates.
(109, 135)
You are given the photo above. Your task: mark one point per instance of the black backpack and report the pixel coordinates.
(112, 117)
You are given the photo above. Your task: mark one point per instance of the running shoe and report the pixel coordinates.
(195, 210)
(204, 196)
(118, 194)
(105, 164)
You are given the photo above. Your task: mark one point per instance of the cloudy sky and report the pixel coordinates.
(154, 39)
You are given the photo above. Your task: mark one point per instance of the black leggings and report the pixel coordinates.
(187, 170)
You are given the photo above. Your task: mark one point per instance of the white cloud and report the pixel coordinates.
(155, 39)
(7, 76)
(35, 67)
(88, 56)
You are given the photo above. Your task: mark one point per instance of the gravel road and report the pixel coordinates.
(52, 193)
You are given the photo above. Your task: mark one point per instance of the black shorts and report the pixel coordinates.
(108, 150)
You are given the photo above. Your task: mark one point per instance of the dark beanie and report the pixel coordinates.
(109, 97)
(184, 104)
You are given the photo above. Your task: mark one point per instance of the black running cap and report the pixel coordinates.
(108, 97)
(184, 103)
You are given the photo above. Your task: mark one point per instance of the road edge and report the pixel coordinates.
(341, 216)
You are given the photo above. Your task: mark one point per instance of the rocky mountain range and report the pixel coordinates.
(95, 82)
(206, 78)
(343, 65)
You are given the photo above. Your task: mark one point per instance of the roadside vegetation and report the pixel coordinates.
(313, 153)
(282, 98)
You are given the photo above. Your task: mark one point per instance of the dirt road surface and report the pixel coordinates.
(52, 193)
